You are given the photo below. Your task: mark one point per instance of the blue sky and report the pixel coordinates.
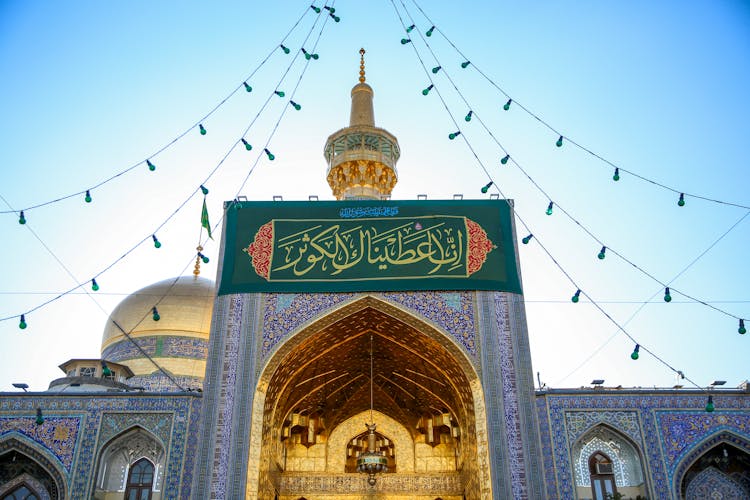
(658, 88)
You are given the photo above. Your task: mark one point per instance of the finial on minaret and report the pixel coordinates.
(361, 65)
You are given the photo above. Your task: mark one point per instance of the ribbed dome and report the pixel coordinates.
(178, 342)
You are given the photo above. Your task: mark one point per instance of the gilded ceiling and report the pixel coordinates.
(329, 373)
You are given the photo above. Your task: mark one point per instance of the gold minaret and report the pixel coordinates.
(361, 157)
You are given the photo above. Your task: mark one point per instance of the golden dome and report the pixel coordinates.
(178, 342)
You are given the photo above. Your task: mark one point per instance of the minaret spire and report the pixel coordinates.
(361, 157)
(361, 65)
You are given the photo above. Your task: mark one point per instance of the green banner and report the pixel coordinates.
(368, 245)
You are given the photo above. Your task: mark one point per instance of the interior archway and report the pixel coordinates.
(319, 380)
(22, 462)
(721, 472)
(720, 463)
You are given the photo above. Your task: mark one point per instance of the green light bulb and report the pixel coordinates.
(315, 57)
(330, 9)
(505, 159)
(21, 218)
(204, 190)
(468, 116)
(39, 417)
(576, 297)
(465, 64)
(94, 285)
(429, 31)
(741, 330)
(404, 41)
(454, 135)
(549, 208)
(316, 9)
(248, 88)
(436, 69)
(203, 258)
(22, 324)
(295, 105)
(157, 243)
(616, 177)
(87, 199)
(335, 18)
(527, 239)
(667, 295)
(150, 165)
(307, 56)
(285, 49)
(710, 405)
(681, 201)
(279, 93)
(269, 154)
(506, 107)
(202, 129)
(602, 253)
(427, 90)
(155, 314)
(559, 142)
(486, 187)
(408, 30)
(635, 355)
(247, 145)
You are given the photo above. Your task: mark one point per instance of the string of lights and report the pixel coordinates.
(23, 212)
(618, 170)
(507, 157)
(202, 189)
(638, 345)
(654, 295)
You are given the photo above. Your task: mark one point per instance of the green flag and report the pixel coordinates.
(204, 219)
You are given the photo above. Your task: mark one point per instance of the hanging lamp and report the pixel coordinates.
(371, 462)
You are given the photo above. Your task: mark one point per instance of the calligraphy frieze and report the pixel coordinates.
(368, 245)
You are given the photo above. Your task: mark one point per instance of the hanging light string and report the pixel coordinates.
(515, 162)
(560, 134)
(195, 191)
(101, 308)
(523, 223)
(188, 130)
(648, 301)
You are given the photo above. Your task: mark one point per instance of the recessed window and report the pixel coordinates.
(87, 371)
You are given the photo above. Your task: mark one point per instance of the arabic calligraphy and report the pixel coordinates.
(368, 248)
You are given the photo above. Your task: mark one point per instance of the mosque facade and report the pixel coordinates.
(362, 348)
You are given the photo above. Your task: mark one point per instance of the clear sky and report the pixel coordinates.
(658, 88)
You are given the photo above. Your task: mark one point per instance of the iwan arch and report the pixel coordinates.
(288, 387)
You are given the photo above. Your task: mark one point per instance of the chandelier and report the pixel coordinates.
(371, 462)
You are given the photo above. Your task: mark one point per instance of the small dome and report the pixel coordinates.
(178, 342)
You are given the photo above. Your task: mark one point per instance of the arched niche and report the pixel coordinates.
(625, 457)
(719, 465)
(124, 450)
(23, 459)
(319, 377)
(340, 436)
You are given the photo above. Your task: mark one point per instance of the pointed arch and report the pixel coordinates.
(626, 456)
(353, 426)
(692, 457)
(120, 453)
(304, 357)
(42, 464)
